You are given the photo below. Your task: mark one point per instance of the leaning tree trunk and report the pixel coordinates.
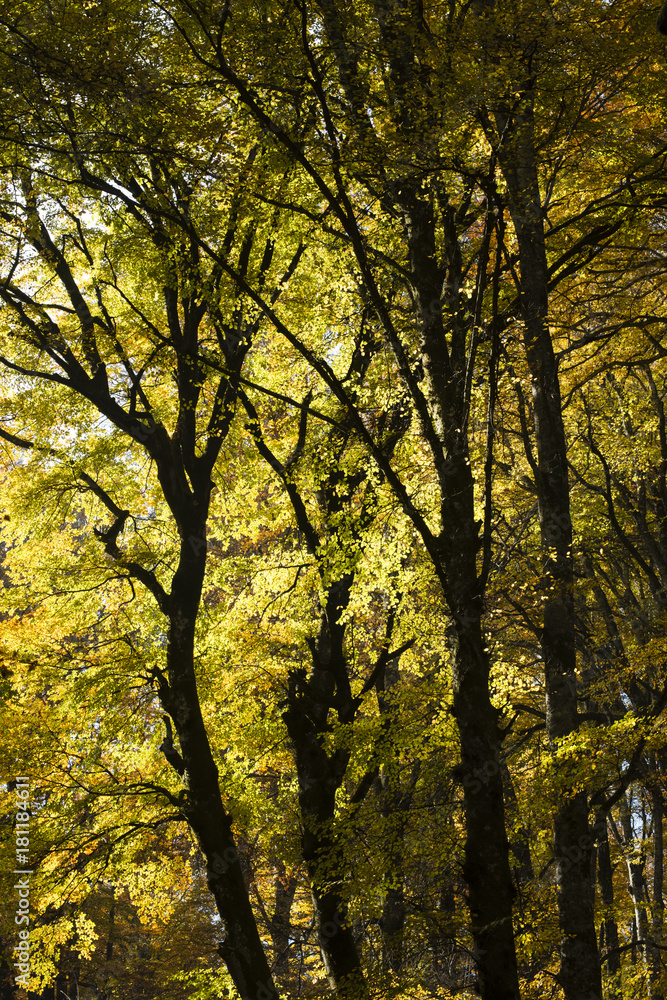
(242, 949)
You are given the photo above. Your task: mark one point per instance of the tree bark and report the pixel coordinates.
(573, 844)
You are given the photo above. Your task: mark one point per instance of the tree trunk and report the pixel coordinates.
(319, 775)
(394, 809)
(202, 805)
(242, 949)
(280, 921)
(395, 802)
(609, 929)
(486, 868)
(635, 863)
(573, 844)
(520, 844)
(658, 913)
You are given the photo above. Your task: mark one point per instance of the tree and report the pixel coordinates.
(114, 383)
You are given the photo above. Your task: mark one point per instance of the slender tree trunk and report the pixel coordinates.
(392, 923)
(313, 699)
(573, 844)
(202, 805)
(635, 863)
(609, 928)
(443, 940)
(520, 844)
(486, 867)
(318, 781)
(658, 913)
(319, 775)
(395, 802)
(280, 920)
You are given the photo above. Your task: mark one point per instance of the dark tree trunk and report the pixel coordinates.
(312, 701)
(393, 920)
(394, 808)
(520, 843)
(486, 866)
(242, 949)
(608, 929)
(7, 988)
(443, 407)
(320, 775)
(455, 554)
(280, 920)
(110, 934)
(395, 802)
(573, 844)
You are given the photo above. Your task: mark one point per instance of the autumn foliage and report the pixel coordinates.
(333, 566)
